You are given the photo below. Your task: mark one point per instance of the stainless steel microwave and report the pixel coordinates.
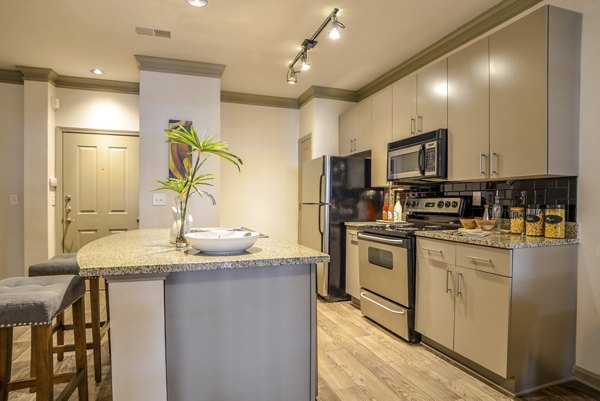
(419, 157)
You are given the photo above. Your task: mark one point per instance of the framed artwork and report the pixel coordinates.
(179, 158)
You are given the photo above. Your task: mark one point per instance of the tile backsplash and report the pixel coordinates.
(543, 191)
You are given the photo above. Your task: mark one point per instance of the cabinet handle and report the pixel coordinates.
(458, 291)
(493, 169)
(433, 250)
(413, 125)
(420, 119)
(448, 272)
(398, 312)
(488, 260)
(481, 164)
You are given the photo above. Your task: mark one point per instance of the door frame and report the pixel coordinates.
(58, 165)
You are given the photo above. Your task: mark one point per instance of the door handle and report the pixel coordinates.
(421, 160)
(448, 272)
(481, 164)
(494, 169)
(419, 119)
(458, 291)
(381, 240)
(69, 220)
(413, 125)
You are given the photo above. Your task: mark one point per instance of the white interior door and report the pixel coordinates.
(101, 178)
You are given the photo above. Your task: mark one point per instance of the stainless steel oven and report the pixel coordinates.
(386, 274)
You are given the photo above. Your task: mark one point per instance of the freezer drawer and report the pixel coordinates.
(388, 314)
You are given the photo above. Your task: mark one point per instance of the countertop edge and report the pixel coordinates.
(494, 242)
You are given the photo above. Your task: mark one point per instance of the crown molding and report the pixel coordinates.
(323, 92)
(259, 100)
(11, 77)
(103, 85)
(38, 74)
(184, 67)
(478, 26)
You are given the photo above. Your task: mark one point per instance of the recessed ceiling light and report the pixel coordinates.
(97, 71)
(197, 3)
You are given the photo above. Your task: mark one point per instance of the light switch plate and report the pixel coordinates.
(159, 200)
(477, 198)
(13, 199)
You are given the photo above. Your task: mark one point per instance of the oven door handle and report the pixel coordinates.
(401, 312)
(382, 240)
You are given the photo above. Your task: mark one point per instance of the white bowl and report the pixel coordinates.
(222, 242)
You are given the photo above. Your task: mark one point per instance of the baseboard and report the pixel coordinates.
(587, 377)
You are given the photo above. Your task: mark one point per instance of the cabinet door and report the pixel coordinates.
(381, 135)
(362, 128)
(404, 106)
(432, 97)
(518, 94)
(352, 280)
(434, 305)
(468, 113)
(482, 318)
(347, 131)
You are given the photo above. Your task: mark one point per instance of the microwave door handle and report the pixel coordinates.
(422, 160)
(391, 169)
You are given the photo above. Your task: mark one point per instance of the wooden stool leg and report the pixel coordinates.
(80, 346)
(6, 338)
(60, 334)
(32, 360)
(44, 362)
(95, 309)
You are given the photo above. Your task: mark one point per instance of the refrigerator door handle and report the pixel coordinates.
(321, 231)
(321, 178)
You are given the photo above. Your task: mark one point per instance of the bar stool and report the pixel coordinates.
(35, 302)
(66, 263)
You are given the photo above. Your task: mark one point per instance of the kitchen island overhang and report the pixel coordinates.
(185, 326)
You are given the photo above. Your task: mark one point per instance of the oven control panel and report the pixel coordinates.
(434, 205)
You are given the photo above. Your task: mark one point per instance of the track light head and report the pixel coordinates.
(291, 76)
(305, 66)
(336, 26)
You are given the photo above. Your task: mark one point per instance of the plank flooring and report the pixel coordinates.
(358, 361)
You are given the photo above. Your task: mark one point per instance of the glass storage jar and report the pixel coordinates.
(555, 221)
(534, 221)
(517, 220)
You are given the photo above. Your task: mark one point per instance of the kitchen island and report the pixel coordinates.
(186, 326)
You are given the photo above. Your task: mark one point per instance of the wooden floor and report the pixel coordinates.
(358, 361)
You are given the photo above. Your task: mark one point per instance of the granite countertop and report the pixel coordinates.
(148, 251)
(507, 241)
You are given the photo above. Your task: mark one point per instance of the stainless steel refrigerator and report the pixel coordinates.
(335, 190)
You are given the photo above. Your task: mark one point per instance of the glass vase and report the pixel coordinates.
(182, 223)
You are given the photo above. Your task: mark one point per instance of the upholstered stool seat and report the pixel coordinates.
(35, 302)
(66, 263)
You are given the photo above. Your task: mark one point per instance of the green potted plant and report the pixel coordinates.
(189, 184)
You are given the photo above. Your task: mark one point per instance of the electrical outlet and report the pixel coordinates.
(159, 200)
(477, 198)
(13, 199)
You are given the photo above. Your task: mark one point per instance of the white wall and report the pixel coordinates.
(11, 164)
(320, 117)
(183, 97)
(588, 290)
(97, 110)
(264, 195)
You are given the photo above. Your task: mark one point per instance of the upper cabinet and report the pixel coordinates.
(355, 128)
(420, 101)
(513, 100)
(381, 135)
(534, 95)
(469, 113)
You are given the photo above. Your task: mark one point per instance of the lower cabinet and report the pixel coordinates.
(508, 314)
(461, 308)
(352, 282)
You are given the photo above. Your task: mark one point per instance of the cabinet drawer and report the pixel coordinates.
(492, 260)
(388, 314)
(434, 251)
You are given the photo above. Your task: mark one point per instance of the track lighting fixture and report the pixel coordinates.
(308, 44)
